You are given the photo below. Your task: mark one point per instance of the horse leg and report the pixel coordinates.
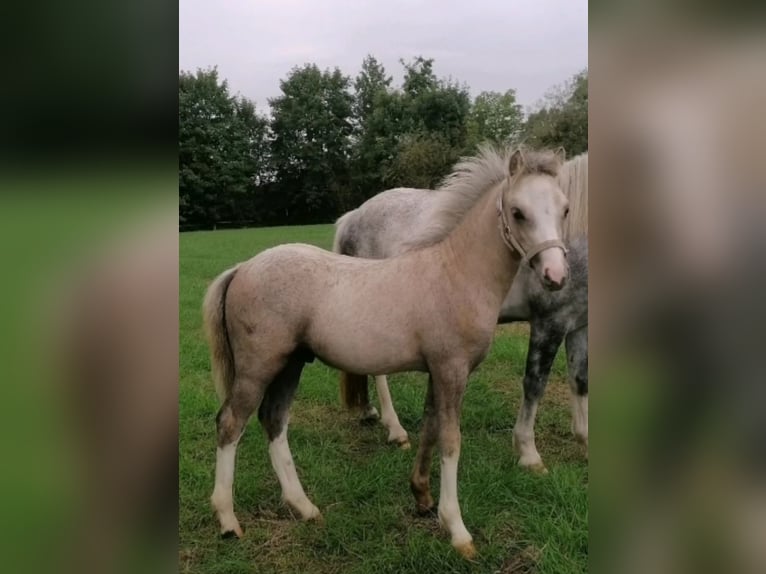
(243, 399)
(388, 415)
(273, 415)
(544, 340)
(420, 481)
(449, 387)
(577, 359)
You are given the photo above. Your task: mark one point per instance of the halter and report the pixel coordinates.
(514, 245)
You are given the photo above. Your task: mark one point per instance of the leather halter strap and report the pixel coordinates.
(515, 245)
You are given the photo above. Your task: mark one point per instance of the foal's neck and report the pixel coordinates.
(478, 250)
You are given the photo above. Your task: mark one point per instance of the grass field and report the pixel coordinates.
(520, 522)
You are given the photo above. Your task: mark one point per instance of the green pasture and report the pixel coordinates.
(520, 522)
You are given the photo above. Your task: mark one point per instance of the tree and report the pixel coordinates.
(311, 145)
(422, 160)
(375, 121)
(222, 143)
(371, 82)
(327, 148)
(496, 118)
(434, 106)
(562, 120)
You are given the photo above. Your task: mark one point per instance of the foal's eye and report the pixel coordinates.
(517, 214)
(566, 212)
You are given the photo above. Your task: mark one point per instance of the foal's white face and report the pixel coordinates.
(535, 210)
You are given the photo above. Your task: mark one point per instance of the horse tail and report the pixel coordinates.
(353, 388)
(214, 319)
(354, 392)
(340, 231)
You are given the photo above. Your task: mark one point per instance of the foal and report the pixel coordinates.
(432, 309)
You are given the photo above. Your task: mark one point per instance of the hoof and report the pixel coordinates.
(230, 527)
(318, 518)
(467, 550)
(402, 443)
(369, 416)
(313, 514)
(423, 510)
(229, 534)
(537, 468)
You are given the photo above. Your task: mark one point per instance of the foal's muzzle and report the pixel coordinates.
(552, 267)
(553, 281)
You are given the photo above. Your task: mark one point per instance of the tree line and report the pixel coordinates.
(330, 142)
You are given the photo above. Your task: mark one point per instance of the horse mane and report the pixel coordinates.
(470, 179)
(573, 180)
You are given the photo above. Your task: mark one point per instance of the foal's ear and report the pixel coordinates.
(517, 162)
(561, 155)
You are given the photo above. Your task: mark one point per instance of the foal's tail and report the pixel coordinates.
(214, 319)
(353, 390)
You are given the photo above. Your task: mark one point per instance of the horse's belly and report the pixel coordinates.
(361, 350)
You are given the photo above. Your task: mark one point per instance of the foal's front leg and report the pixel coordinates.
(446, 388)
(544, 341)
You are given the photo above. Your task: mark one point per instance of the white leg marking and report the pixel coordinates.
(388, 415)
(524, 438)
(580, 418)
(292, 490)
(449, 507)
(222, 500)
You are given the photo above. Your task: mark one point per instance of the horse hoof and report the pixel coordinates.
(313, 514)
(402, 443)
(425, 510)
(370, 416)
(229, 534)
(535, 468)
(467, 550)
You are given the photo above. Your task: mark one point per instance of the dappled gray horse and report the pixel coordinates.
(431, 309)
(382, 227)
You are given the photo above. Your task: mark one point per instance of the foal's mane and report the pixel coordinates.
(470, 179)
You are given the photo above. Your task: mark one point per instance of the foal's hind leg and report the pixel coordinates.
(544, 340)
(274, 415)
(420, 480)
(577, 359)
(244, 398)
(388, 417)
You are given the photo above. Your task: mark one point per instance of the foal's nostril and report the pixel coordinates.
(554, 284)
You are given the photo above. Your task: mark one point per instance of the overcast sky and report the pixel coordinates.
(529, 45)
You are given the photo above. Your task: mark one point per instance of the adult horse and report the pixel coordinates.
(433, 309)
(383, 226)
